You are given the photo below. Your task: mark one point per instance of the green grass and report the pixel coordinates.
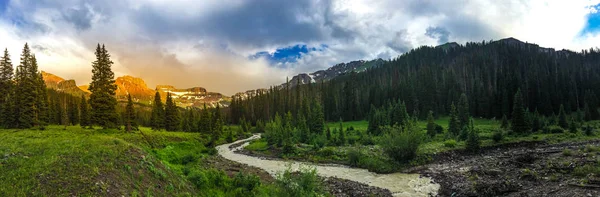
(80, 162)
(96, 162)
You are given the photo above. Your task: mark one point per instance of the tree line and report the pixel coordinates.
(26, 102)
(432, 78)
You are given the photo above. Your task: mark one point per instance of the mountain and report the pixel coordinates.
(334, 71)
(136, 87)
(193, 97)
(320, 75)
(57, 83)
(140, 93)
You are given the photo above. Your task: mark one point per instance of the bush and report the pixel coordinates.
(401, 145)
(439, 129)
(300, 184)
(247, 182)
(473, 143)
(354, 157)
(450, 143)
(198, 178)
(553, 129)
(259, 145)
(498, 135)
(589, 131)
(367, 140)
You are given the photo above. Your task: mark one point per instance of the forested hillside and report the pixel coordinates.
(432, 78)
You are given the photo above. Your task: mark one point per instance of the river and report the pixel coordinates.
(400, 184)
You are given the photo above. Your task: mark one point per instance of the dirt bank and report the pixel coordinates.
(523, 169)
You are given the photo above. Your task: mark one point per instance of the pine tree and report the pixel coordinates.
(316, 121)
(473, 143)
(562, 118)
(84, 115)
(102, 100)
(26, 92)
(504, 124)
(73, 111)
(130, 123)
(463, 111)
(65, 117)
(342, 134)
(171, 114)
(454, 124)
(41, 97)
(42, 102)
(157, 117)
(518, 122)
(7, 118)
(536, 123)
(430, 125)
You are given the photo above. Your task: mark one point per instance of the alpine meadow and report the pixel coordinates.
(308, 98)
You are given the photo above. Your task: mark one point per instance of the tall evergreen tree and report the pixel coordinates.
(463, 111)
(430, 124)
(518, 121)
(158, 114)
(26, 91)
(7, 118)
(454, 124)
(84, 114)
(103, 100)
(316, 121)
(171, 114)
(130, 123)
(73, 110)
(473, 142)
(562, 118)
(41, 97)
(504, 124)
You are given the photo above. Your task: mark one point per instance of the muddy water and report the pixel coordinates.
(399, 184)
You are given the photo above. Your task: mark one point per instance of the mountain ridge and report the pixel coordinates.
(140, 93)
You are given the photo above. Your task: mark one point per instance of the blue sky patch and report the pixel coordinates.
(3, 5)
(593, 22)
(287, 54)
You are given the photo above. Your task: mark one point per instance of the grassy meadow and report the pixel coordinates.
(74, 161)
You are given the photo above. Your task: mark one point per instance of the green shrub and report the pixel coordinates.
(439, 129)
(367, 140)
(354, 157)
(304, 183)
(247, 182)
(498, 135)
(555, 129)
(198, 178)
(450, 143)
(567, 152)
(589, 131)
(258, 145)
(583, 171)
(401, 145)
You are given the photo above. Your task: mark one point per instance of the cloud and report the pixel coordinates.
(234, 45)
(439, 33)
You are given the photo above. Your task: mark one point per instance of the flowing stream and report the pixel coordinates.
(399, 184)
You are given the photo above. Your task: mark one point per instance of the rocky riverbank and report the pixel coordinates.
(522, 169)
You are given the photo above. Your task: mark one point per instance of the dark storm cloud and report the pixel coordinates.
(79, 17)
(254, 23)
(399, 42)
(439, 33)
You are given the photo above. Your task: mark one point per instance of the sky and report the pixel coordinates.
(230, 46)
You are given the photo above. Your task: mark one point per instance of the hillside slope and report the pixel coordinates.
(78, 162)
